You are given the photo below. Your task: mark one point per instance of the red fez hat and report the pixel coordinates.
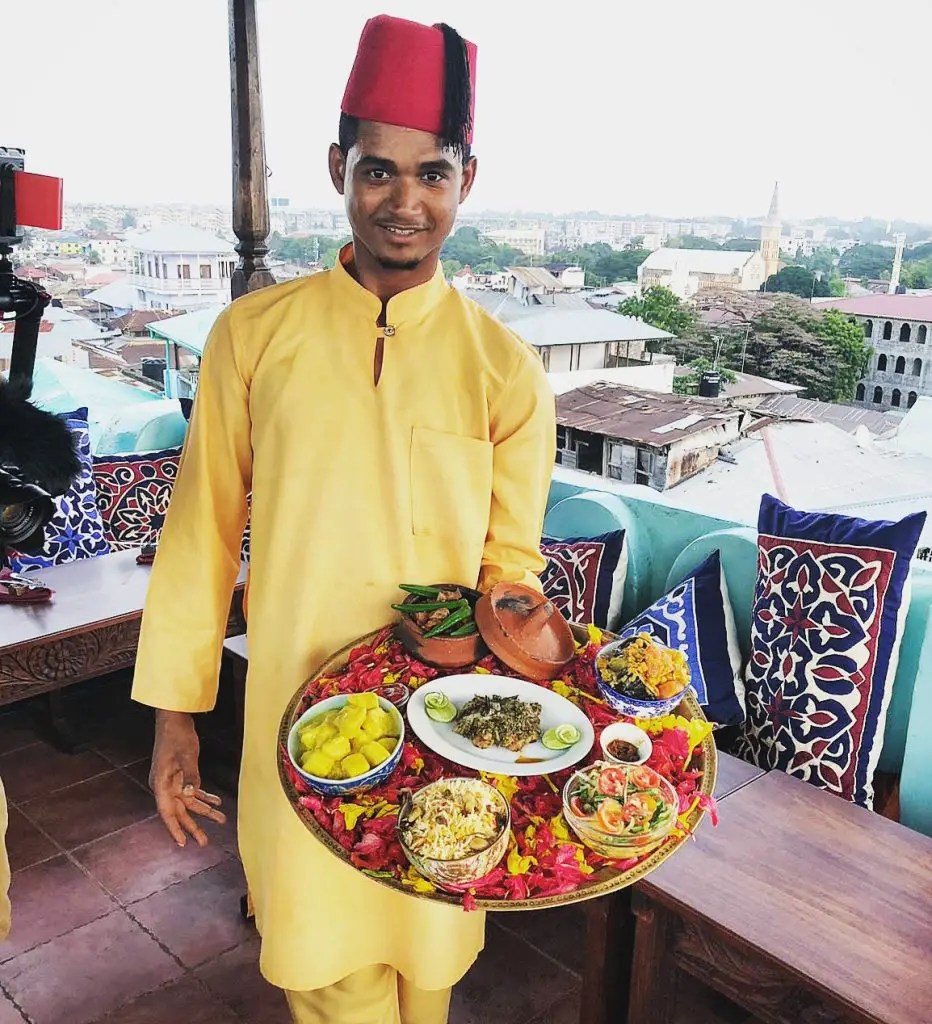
(400, 76)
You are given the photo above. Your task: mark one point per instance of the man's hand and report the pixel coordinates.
(175, 780)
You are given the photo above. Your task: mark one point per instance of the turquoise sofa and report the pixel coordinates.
(665, 543)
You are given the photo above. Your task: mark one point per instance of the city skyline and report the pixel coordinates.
(696, 111)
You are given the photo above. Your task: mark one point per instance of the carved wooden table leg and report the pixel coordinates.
(60, 730)
(653, 974)
(609, 942)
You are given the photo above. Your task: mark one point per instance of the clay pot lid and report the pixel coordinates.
(525, 630)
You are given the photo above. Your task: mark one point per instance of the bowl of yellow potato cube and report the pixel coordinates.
(347, 744)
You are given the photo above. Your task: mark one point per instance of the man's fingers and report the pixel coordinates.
(166, 809)
(201, 794)
(189, 824)
(199, 807)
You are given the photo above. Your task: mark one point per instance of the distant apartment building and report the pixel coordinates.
(180, 268)
(899, 330)
(111, 250)
(527, 240)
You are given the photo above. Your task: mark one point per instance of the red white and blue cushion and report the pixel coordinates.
(75, 531)
(133, 492)
(695, 617)
(585, 577)
(830, 604)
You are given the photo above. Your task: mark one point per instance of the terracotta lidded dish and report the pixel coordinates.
(443, 652)
(525, 630)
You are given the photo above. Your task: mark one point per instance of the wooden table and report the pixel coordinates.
(609, 929)
(90, 628)
(799, 907)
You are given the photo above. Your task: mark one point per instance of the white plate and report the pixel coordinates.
(534, 759)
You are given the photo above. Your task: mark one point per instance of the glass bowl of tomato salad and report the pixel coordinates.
(620, 811)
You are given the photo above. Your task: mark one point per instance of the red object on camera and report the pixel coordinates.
(38, 200)
(397, 77)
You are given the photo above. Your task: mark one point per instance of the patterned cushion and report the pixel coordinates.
(133, 492)
(695, 617)
(75, 531)
(585, 577)
(829, 608)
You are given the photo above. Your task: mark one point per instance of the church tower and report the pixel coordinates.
(770, 236)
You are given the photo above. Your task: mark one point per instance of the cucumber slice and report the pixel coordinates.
(561, 738)
(439, 707)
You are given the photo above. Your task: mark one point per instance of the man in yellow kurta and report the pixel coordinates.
(389, 430)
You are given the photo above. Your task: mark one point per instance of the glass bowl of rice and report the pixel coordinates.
(455, 831)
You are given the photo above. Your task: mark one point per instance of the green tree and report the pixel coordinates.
(659, 307)
(871, 261)
(797, 281)
(741, 244)
(451, 267)
(93, 257)
(96, 224)
(917, 275)
(688, 383)
(691, 242)
(837, 287)
(129, 220)
(852, 354)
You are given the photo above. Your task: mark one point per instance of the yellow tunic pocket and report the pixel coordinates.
(451, 486)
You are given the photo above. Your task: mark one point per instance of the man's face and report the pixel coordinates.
(401, 191)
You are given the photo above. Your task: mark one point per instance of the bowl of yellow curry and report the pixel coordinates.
(347, 744)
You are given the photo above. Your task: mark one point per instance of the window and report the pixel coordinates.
(149, 265)
(205, 271)
(868, 328)
(900, 365)
(562, 437)
(911, 401)
(157, 274)
(878, 396)
(887, 330)
(895, 398)
(905, 332)
(645, 466)
(882, 363)
(859, 395)
(923, 330)
(917, 367)
(184, 271)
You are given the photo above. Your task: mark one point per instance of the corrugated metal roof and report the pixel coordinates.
(747, 385)
(698, 261)
(179, 238)
(848, 417)
(190, 330)
(582, 327)
(648, 417)
(894, 307)
(537, 277)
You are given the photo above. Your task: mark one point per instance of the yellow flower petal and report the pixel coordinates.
(479, 670)
(595, 634)
(518, 865)
(351, 814)
(559, 829)
(507, 785)
(417, 882)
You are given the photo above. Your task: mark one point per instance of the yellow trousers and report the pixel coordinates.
(4, 870)
(372, 995)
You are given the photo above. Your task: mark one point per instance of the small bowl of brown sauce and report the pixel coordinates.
(624, 743)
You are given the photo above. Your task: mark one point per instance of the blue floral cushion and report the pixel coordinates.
(585, 577)
(75, 530)
(695, 617)
(829, 608)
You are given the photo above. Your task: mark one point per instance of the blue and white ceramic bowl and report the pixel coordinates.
(630, 706)
(344, 787)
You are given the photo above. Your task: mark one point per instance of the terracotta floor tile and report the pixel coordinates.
(564, 1011)
(17, 730)
(184, 1002)
(40, 769)
(90, 810)
(139, 770)
(143, 859)
(125, 741)
(509, 984)
(25, 843)
(235, 978)
(198, 919)
(8, 1012)
(49, 900)
(89, 972)
(560, 933)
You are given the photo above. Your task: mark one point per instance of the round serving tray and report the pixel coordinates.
(605, 879)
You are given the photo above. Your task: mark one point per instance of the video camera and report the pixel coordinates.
(37, 456)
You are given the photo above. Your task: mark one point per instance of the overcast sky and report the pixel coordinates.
(679, 108)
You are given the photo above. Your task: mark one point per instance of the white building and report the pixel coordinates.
(688, 271)
(59, 329)
(528, 240)
(180, 267)
(111, 250)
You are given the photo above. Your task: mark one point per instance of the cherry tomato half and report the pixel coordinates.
(612, 782)
(576, 806)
